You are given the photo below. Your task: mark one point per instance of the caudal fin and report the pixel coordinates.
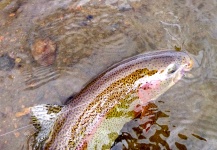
(43, 119)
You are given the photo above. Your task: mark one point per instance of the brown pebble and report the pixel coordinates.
(10, 77)
(44, 51)
(17, 134)
(15, 125)
(12, 15)
(17, 60)
(25, 111)
(1, 38)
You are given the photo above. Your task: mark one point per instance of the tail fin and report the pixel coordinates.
(43, 119)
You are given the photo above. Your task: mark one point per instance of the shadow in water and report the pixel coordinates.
(145, 132)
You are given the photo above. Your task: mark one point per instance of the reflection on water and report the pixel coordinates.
(143, 131)
(92, 35)
(146, 132)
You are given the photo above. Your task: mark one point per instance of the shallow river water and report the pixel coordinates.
(91, 35)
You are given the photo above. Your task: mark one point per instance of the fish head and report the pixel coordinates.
(181, 64)
(170, 69)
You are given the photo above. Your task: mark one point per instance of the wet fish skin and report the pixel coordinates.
(139, 79)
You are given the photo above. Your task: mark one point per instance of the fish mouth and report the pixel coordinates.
(188, 66)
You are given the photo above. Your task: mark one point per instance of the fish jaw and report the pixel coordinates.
(189, 65)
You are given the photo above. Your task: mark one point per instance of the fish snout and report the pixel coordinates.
(189, 65)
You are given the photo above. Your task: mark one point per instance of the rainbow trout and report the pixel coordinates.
(94, 118)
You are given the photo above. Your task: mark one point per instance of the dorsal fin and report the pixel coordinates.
(43, 119)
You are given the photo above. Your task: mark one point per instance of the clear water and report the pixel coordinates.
(92, 35)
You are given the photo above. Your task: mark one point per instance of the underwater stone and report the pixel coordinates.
(6, 62)
(44, 51)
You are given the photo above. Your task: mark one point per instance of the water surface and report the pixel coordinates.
(90, 36)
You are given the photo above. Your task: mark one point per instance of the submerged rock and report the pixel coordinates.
(6, 62)
(44, 51)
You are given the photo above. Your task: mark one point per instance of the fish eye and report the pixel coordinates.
(171, 69)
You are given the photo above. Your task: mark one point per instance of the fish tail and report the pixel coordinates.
(43, 118)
